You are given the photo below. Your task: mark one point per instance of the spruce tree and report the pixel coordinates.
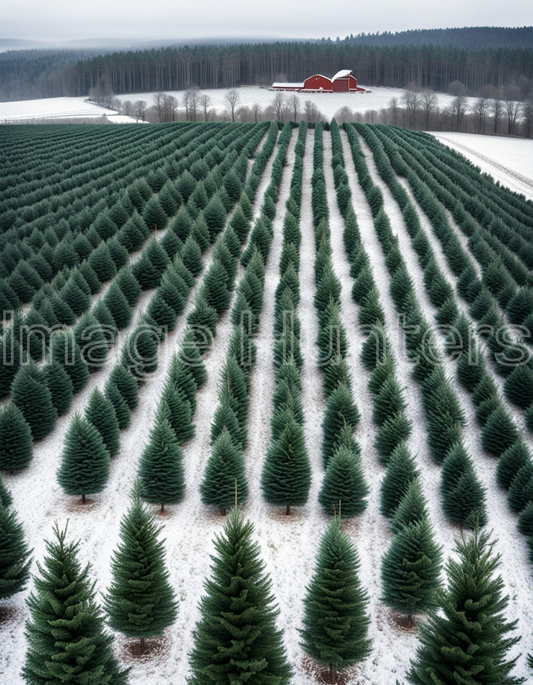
(192, 256)
(340, 411)
(510, 463)
(344, 488)
(335, 631)
(236, 639)
(14, 554)
(410, 571)
(226, 419)
(401, 471)
(6, 498)
(15, 439)
(223, 474)
(161, 477)
(190, 356)
(129, 286)
(154, 215)
(122, 410)
(31, 395)
(126, 385)
(85, 462)
(394, 431)
(286, 476)
(469, 638)
(118, 305)
(140, 602)
(60, 386)
(101, 413)
(66, 637)
(177, 409)
(463, 496)
(67, 352)
(499, 433)
(215, 217)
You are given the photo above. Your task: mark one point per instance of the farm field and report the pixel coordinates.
(233, 293)
(22, 110)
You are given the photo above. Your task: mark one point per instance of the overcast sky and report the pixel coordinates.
(162, 19)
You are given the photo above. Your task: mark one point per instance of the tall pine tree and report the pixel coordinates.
(14, 554)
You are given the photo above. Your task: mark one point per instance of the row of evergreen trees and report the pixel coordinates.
(505, 283)
(499, 436)
(463, 497)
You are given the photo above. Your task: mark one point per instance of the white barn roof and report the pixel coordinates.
(287, 85)
(343, 73)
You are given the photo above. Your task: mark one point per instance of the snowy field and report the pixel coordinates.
(54, 108)
(507, 160)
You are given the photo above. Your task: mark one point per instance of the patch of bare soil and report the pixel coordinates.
(75, 505)
(322, 675)
(154, 648)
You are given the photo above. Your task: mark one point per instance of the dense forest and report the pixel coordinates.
(36, 73)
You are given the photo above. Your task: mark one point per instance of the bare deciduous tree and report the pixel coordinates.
(204, 101)
(428, 104)
(511, 107)
(256, 109)
(231, 100)
(458, 110)
(294, 106)
(139, 109)
(479, 110)
(394, 110)
(527, 114)
(411, 101)
(278, 105)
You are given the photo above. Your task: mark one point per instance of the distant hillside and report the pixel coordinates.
(473, 37)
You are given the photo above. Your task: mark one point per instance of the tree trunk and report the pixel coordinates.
(83, 499)
(288, 510)
(332, 673)
(142, 644)
(162, 508)
(223, 511)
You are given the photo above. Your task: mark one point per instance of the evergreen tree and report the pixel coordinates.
(190, 356)
(66, 637)
(411, 509)
(335, 619)
(118, 305)
(224, 472)
(31, 395)
(161, 477)
(410, 571)
(521, 489)
(101, 413)
(236, 639)
(469, 638)
(401, 471)
(14, 554)
(192, 256)
(154, 216)
(129, 286)
(340, 411)
(66, 351)
(126, 385)
(85, 462)
(140, 602)
(463, 496)
(215, 289)
(510, 463)
(286, 477)
(15, 439)
(394, 431)
(215, 217)
(499, 433)
(60, 386)
(122, 411)
(525, 520)
(175, 407)
(226, 419)
(344, 488)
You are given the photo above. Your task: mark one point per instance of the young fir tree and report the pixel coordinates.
(101, 413)
(140, 602)
(463, 496)
(161, 477)
(60, 386)
(14, 554)
(236, 639)
(122, 411)
(126, 385)
(335, 621)
(224, 476)
(499, 432)
(6, 498)
(32, 396)
(344, 488)
(410, 571)
(67, 642)
(468, 640)
(15, 439)
(411, 509)
(85, 462)
(401, 471)
(177, 409)
(118, 305)
(340, 411)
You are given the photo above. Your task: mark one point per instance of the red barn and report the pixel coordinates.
(343, 82)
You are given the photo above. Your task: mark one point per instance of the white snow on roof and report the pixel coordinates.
(287, 85)
(343, 73)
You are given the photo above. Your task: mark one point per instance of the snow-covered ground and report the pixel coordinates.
(55, 108)
(507, 160)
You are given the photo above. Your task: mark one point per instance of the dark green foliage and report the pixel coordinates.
(286, 476)
(118, 305)
(224, 472)
(15, 439)
(344, 488)
(76, 299)
(499, 432)
(6, 498)
(140, 602)
(469, 638)
(154, 215)
(226, 419)
(60, 386)
(161, 477)
(122, 411)
(181, 378)
(102, 264)
(101, 414)
(176, 408)
(336, 373)
(31, 395)
(139, 355)
(161, 312)
(410, 571)
(236, 639)
(190, 356)
(388, 402)
(510, 463)
(412, 508)
(14, 553)
(470, 371)
(401, 471)
(105, 226)
(215, 217)
(463, 496)
(85, 462)
(340, 411)
(200, 233)
(126, 384)
(67, 352)
(215, 288)
(394, 431)
(182, 224)
(372, 312)
(335, 631)
(240, 224)
(519, 386)
(529, 417)
(233, 384)
(525, 520)
(192, 256)
(66, 637)
(129, 286)
(521, 489)
(521, 305)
